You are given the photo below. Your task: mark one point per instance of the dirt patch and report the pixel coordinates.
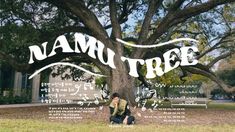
(192, 116)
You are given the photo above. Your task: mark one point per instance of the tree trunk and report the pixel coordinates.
(121, 82)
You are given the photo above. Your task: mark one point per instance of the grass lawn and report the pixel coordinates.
(226, 106)
(211, 105)
(219, 117)
(7, 125)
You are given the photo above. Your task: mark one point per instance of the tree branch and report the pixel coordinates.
(176, 5)
(221, 41)
(195, 10)
(123, 17)
(220, 57)
(153, 4)
(87, 17)
(116, 28)
(211, 76)
(132, 39)
(176, 17)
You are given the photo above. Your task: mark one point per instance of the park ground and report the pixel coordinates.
(219, 117)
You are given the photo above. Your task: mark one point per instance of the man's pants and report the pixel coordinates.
(119, 119)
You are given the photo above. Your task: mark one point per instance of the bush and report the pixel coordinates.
(14, 100)
(3, 100)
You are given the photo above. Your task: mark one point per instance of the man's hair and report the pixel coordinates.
(115, 95)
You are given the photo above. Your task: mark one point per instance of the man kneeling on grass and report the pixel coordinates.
(119, 110)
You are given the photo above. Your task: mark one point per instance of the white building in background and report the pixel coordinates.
(19, 83)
